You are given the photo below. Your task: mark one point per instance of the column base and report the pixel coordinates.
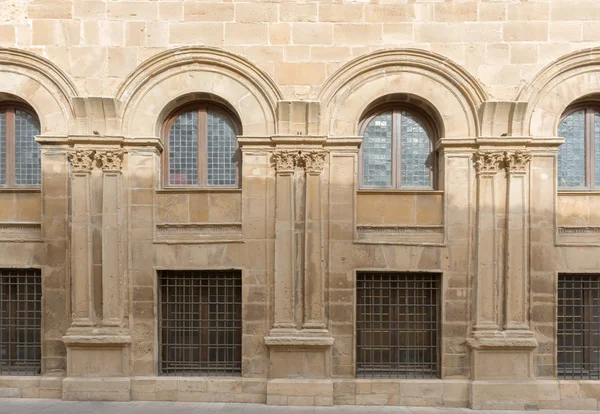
(97, 367)
(299, 369)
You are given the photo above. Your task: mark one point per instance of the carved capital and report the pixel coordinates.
(516, 162)
(285, 161)
(82, 160)
(314, 161)
(488, 161)
(110, 160)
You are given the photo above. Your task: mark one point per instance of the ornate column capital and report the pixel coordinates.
(285, 160)
(516, 162)
(82, 160)
(488, 161)
(110, 160)
(314, 161)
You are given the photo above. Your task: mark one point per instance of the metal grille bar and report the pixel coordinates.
(397, 325)
(20, 321)
(200, 323)
(578, 333)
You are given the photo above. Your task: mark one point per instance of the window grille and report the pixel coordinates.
(578, 333)
(397, 151)
(202, 148)
(20, 321)
(200, 323)
(20, 163)
(397, 325)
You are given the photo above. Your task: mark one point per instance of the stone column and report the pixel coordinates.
(81, 238)
(486, 318)
(285, 164)
(314, 297)
(517, 242)
(112, 275)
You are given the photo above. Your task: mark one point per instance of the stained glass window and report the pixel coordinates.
(396, 151)
(20, 163)
(202, 148)
(579, 155)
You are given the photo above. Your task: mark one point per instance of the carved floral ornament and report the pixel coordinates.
(84, 160)
(286, 160)
(489, 161)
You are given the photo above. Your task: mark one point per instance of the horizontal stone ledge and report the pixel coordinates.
(502, 343)
(96, 340)
(299, 341)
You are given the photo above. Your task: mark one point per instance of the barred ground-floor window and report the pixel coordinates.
(397, 325)
(200, 322)
(20, 321)
(578, 335)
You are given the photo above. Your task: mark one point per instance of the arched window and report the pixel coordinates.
(19, 153)
(397, 150)
(201, 147)
(579, 156)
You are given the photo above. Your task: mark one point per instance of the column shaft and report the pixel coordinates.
(517, 242)
(284, 241)
(81, 239)
(314, 298)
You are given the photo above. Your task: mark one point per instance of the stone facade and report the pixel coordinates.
(496, 76)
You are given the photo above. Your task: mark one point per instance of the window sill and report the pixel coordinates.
(20, 190)
(582, 192)
(393, 191)
(189, 190)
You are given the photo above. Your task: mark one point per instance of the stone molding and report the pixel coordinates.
(285, 160)
(579, 230)
(516, 162)
(225, 75)
(502, 342)
(85, 160)
(299, 341)
(488, 162)
(202, 228)
(314, 161)
(551, 91)
(413, 72)
(82, 160)
(110, 160)
(399, 229)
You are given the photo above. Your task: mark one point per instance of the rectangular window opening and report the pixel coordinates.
(200, 323)
(20, 321)
(578, 335)
(397, 325)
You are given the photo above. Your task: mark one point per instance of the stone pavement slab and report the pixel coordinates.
(41, 406)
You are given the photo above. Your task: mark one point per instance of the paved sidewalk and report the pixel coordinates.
(30, 406)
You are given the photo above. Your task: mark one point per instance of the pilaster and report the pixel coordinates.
(314, 281)
(299, 343)
(81, 238)
(487, 164)
(98, 343)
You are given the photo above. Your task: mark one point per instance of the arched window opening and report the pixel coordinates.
(201, 147)
(397, 150)
(579, 155)
(19, 153)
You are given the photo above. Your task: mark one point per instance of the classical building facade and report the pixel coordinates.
(301, 203)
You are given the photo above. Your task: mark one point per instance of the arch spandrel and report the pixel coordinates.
(190, 71)
(42, 85)
(450, 89)
(554, 88)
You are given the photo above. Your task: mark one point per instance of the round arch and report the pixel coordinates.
(177, 74)
(42, 85)
(450, 89)
(562, 82)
